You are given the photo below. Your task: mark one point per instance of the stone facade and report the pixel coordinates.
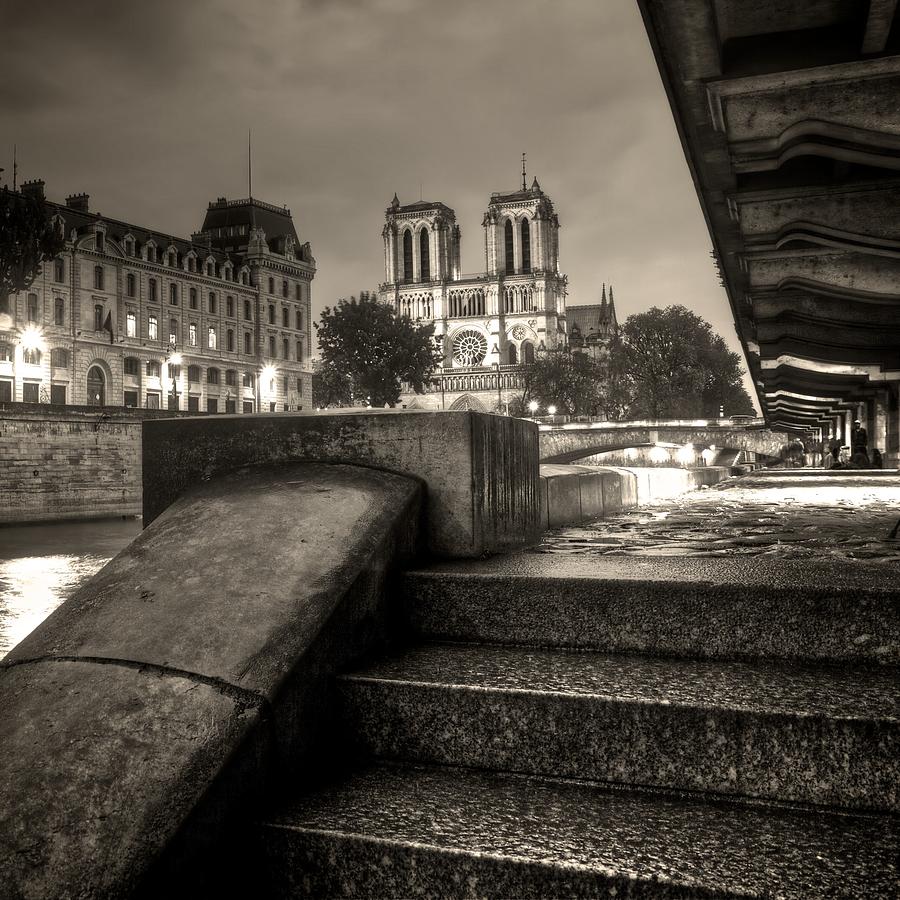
(105, 323)
(490, 323)
(593, 326)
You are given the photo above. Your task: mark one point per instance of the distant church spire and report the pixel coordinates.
(603, 296)
(524, 183)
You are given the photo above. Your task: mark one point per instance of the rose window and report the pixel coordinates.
(470, 348)
(519, 333)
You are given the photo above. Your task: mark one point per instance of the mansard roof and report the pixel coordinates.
(275, 221)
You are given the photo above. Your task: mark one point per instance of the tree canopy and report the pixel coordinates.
(673, 365)
(27, 238)
(572, 382)
(366, 351)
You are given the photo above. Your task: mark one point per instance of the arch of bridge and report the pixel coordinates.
(565, 445)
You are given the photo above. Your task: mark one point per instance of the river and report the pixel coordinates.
(42, 565)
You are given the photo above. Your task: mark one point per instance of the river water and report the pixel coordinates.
(42, 565)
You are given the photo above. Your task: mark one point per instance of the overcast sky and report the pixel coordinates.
(146, 107)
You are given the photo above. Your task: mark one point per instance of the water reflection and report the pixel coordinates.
(42, 565)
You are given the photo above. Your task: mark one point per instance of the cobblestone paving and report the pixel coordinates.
(787, 517)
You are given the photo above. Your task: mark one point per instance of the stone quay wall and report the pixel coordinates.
(70, 462)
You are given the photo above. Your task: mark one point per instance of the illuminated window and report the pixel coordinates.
(211, 338)
(173, 331)
(153, 369)
(192, 334)
(248, 379)
(6, 351)
(130, 325)
(31, 357)
(59, 358)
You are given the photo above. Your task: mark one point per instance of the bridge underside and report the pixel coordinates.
(788, 117)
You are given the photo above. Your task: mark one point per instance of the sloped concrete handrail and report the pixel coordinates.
(155, 705)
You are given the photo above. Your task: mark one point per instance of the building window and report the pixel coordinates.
(212, 376)
(129, 246)
(59, 311)
(173, 294)
(299, 351)
(212, 404)
(192, 263)
(59, 270)
(193, 298)
(98, 317)
(229, 340)
(130, 285)
(299, 387)
(6, 352)
(31, 357)
(153, 328)
(210, 268)
(152, 400)
(298, 317)
(132, 366)
(153, 291)
(153, 369)
(248, 379)
(284, 289)
(101, 241)
(130, 324)
(284, 383)
(174, 372)
(31, 392)
(173, 259)
(526, 246)
(193, 404)
(508, 247)
(271, 285)
(423, 255)
(248, 313)
(231, 377)
(59, 358)
(272, 346)
(286, 348)
(245, 277)
(194, 374)
(271, 314)
(131, 398)
(192, 334)
(229, 307)
(247, 342)
(285, 318)
(58, 394)
(211, 338)
(407, 256)
(212, 302)
(31, 308)
(173, 331)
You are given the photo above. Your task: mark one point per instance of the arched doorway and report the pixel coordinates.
(96, 387)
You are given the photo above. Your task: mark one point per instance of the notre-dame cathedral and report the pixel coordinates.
(489, 323)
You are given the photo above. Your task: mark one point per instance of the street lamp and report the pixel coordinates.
(551, 410)
(266, 380)
(173, 361)
(533, 407)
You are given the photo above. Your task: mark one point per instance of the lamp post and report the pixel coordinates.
(173, 361)
(533, 407)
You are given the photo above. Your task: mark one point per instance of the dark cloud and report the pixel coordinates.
(147, 106)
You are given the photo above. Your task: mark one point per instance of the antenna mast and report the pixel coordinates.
(250, 163)
(15, 167)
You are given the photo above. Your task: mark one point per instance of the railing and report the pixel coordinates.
(572, 422)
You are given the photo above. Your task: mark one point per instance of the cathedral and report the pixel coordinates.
(488, 324)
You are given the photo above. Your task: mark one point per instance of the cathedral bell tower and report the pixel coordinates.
(421, 243)
(521, 233)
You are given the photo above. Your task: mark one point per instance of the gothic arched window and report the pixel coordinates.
(513, 357)
(508, 247)
(424, 261)
(407, 255)
(526, 246)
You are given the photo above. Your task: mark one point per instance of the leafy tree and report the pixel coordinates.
(330, 387)
(27, 239)
(673, 365)
(572, 382)
(364, 342)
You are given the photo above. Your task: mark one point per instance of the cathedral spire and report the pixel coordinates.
(603, 296)
(524, 183)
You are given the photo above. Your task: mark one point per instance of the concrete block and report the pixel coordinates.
(591, 487)
(611, 490)
(563, 500)
(481, 471)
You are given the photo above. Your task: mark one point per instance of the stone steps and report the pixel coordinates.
(726, 608)
(552, 727)
(770, 730)
(404, 831)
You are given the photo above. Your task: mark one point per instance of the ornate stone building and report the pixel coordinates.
(129, 316)
(593, 326)
(490, 323)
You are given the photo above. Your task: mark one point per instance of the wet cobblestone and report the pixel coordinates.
(788, 517)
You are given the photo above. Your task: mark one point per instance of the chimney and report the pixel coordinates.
(34, 189)
(78, 201)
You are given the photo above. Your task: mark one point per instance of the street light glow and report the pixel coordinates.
(686, 454)
(533, 406)
(32, 338)
(551, 410)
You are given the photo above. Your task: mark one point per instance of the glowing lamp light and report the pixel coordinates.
(175, 359)
(686, 454)
(708, 456)
(551, 410)
(267, 377)
(32, 338)
(533, 406)
(659, 454)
